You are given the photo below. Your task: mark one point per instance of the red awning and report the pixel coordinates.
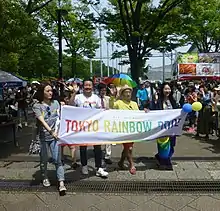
(190, 78)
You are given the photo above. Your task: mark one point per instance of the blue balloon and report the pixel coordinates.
(187, 108)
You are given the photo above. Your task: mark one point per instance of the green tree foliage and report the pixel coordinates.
(141, 27)
(23, 48)
(78, 31)
(80, 34)
(199, 25)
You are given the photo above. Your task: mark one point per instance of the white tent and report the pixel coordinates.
(10, 80)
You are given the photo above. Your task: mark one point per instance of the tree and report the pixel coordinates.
(141, 27)
(24, 50)
(79, 34)
(32, 6)
(16, 27)
(201, 25)
(77, 27)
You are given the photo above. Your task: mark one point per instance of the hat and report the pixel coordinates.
(35, 82)
(123, 88)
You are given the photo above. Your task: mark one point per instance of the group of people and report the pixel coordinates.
(205, 122)
(47, 113)
(47, 102)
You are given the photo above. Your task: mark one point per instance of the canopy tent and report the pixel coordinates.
(10, 80)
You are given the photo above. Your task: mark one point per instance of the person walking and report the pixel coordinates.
(165, 145)
(125, 103)
(89, 100)
(102, 89)
(47, 112)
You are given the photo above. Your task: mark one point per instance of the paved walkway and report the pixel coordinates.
(146, 170)
(96, 202)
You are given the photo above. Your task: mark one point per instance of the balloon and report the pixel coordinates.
(197, 106)
(187, 108)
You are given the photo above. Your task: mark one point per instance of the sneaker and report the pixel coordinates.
(62, 188)
(46, 183)
(20, 125)
(85, 170)
(25, 124)
(101, 173)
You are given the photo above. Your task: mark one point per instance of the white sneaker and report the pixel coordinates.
(20, 125)
(25, 124)
(101, 173)
(62, 188)
(46, 183)
(85, 170)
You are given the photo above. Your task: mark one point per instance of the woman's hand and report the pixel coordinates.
(55, 135)
(146, 110)
(62, 103)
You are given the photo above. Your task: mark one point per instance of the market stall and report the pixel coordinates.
(10, 80)
(7, 123)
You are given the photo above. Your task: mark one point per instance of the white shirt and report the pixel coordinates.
(150, 95)
(87, 102)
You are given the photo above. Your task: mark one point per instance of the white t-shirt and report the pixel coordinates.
(87, 102)
(150, 95)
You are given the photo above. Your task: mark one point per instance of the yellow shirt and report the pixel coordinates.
(112, 100)
(123, 105)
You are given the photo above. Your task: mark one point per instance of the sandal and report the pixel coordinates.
(132, 170)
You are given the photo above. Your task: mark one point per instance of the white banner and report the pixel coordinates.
(94, 126)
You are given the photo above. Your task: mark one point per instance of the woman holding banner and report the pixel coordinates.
(47, 112)
(125, 103)
(165, 145)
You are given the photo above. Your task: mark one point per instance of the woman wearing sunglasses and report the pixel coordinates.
(47, 113)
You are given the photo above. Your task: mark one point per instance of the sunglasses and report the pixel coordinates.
(48, 111)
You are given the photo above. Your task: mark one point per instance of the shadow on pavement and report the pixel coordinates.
(213, 141)
(23, 137)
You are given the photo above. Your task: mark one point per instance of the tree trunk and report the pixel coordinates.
(135, 68)
(74, 63)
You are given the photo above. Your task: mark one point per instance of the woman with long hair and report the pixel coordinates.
(47, 112)
(165, 145)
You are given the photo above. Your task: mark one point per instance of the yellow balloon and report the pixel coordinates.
(197, 106)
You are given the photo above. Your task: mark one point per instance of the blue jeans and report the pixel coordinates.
(56, 155)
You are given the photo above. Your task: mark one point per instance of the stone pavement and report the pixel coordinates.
(105, 202)
(146, 170)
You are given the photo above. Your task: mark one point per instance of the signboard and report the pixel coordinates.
(188, 58)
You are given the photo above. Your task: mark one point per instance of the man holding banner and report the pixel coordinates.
(89, 100)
